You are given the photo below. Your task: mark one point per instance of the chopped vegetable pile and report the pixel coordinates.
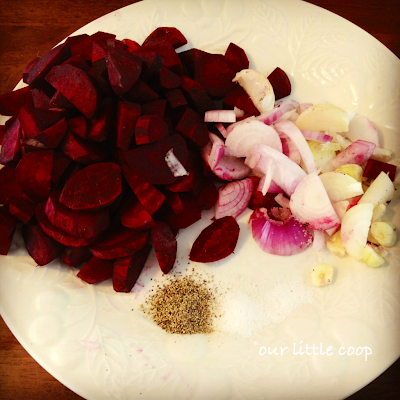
(113, 147)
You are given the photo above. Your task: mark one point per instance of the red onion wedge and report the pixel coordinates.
(289, 149)
(287, 174)
(303, 107)
(358, 152)
(220, 116)
(310, 204)
(244, 137)
(280, 109)
(294, 133)
(361, 127)
(280, 237)
(222, 129)
(317, 136)
(233, 198)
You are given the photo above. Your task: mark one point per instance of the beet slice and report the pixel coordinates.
(165, 246)
(32, 146)
(155, 107)
(240, 99)
(41, 68)
(8, 224)
(99, 73)
(123, 69)
(60, 163)
(23, 209)
(127, 115)
(119, 243)
(9, 186)
(127, 270)
(41, 247)
(78, 62)
(75, 256)
(76, 86)
(33, 173)
(148, 161)
(93, 187)
(84, 224)
(131, 45)
(148, 195)
(84, 46)
(280, 83)
(152, 63)
(82, 151)
(200, 99)
(150, 128)
(60, 101)
(96, 270)
(101, 123)
(374, 168)
(40, 99)
(216, 241)
(237, 56)
(192, 126)
(10, 103)
(11, 142)
(27, 69)
(2, 133)
(78, 126)
(166, 34)
(134, 215)
(53, 136)
(177, 102)
(182, 184)
(57, 234)
(141, 93)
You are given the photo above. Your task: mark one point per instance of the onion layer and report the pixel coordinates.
(282, 238)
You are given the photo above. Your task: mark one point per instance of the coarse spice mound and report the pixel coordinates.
(183, 305)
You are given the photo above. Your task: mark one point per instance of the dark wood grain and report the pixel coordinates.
(29, 28)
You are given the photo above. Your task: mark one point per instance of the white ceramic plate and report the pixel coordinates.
(97, 343)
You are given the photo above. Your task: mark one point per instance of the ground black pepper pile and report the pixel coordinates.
(184, 305)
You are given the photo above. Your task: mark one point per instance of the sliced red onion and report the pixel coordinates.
(229, 168)
(242, 138)
(281, 108)
(319, 242)
(282, 238)
(266, 180)
(274, 188)
(310, 204)
(287, 174)
(220, 116)
(233, 198)
(221, 129)
(174, 164)
(358, 152)
(303, 107)
(238, 112)
(294, 133)
(362, 128)
(230, 127)
(317, 136)
(217, 152)
(218, 142)
(289, 149)
(282, 200)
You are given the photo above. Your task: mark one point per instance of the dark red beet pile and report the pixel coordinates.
(84, 152)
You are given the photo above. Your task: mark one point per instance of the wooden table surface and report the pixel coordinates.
(29, 28)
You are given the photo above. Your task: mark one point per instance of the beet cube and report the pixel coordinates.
(374, 168)
(52, 137)
(28, 67)
(11, 142)
(189, 58)
(280, 83)
(192, 126)
(74, 43)
(127, 270)
(141, 93)
(78, 62)
(82, 151)
(216, 242)
(131, 45)
(40, 99)
(8, 223)
(182, 184)
(150, 128)
(155, 107)
(148, 161)
(2, 133)
(240, 99)
(58, 234)
(166, 34)
(11, 102)
(151, 63)
(165, 246)
(59, 101)
(47, 62)
(134, 215)
(32, 146)
(98, 52)
(148, 195)
(78, 126)
(74, 222)
(169, 79)
(96, 270)
(127, 115)
(33, 173)
(76, 86)
(237, 56)
(175, 202)
(41, 247)
(101, 123)
(200, 99)
(93, 187)
(75, 256)
(9, 186)
(60, 163)
(123, 69)
(84, 48)
(99, 73)
(23, 209)
(119, 243)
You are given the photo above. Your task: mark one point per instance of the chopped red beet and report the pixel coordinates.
(27, 69)
(93, 187)
(99, 73)
(76, 86)
(8, 224)
(134, 215)
(127, 270)
(166, 34)
(216, 242)
(96, 270)
(75, 256)
(155, 107)
(53, 136)
(8, 184)
(190, 214)
(78, 126)
(40, 99)
(11, 142)
(374, 168)
(2, 133)
(238, 56)
(182, 184)
(165, 246)
(175, 202)
(127, 115)
(152, 63)
(119, 243)
(23, 209)
(200, 99)
(102, 121)
(141, 93)
(192, 126)
(10, 103)
(33, 173)
(150, 128)
(280, 83)
(131, 45)
(84, 223)
(60, 163)
(78, 62)
(240, 99)
(42, 248)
